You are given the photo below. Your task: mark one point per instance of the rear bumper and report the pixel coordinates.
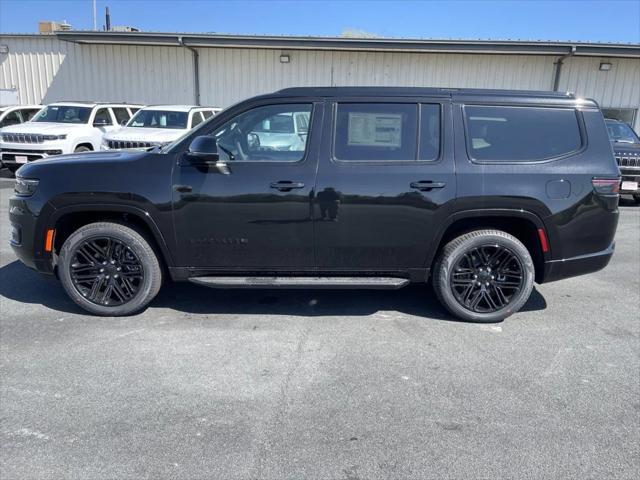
(574, 266)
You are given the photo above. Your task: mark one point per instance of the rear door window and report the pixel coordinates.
(520, 134)
(103, 117)
(376, 132)
(196, 119)
(122, 115)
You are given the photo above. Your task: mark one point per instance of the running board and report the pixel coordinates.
(381, 283)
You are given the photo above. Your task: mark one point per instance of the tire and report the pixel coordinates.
(636, 198)
(81, 149)
(501, 296)
(133, 257)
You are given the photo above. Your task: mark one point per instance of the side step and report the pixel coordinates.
(381, 283)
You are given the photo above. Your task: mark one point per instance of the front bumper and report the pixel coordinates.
(629, 177)
(575, 266)
(20, 153)
(27, 236)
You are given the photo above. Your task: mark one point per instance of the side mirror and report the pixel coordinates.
(203, 150)
(100, 122)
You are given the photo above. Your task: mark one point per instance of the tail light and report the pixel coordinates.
(606, 186)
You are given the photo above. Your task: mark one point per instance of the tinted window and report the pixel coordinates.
(512, 134)
(429, 132)
(207, 114)
(63, 114)
(264, 133)
(159, 119)
(27, 114)
(12, 118)
(122, 115)
(376, 132)
(196, 119)
(102, 115)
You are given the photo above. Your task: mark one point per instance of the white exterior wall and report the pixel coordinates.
(45, 69)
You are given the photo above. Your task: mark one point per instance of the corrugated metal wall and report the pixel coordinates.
(45, 69)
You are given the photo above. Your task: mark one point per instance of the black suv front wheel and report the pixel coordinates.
(109, 269)
(484, 276)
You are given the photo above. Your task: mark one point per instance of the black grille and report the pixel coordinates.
(122, 144)
(631, 161)
(22, 137)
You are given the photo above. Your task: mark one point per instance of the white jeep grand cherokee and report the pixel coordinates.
(157, 125)
(64, 127)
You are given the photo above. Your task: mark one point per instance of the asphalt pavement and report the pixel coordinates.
(321, 384)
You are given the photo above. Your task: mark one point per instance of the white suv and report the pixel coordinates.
(64, 127)
(157, 125)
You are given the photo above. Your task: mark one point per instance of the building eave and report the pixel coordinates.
(508, 47)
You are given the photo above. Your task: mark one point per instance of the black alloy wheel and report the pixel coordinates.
(106, 271)
(110, 268)
(483, 275)
(486, 278)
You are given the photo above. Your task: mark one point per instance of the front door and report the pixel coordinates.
(256, 214)
(385, 183)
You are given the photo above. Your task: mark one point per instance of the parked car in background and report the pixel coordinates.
(388, 186)
(626, 147)
(156, 126)
(17, 114)
(64, 127)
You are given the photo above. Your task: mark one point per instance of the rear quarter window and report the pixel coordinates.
(521, 134)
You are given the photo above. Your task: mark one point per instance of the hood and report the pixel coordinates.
(142, 134)
(621, 148)
(45, 128)
(34, 169)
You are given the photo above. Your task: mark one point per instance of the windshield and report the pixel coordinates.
(159, 119)
(621, 132)
(63, 114)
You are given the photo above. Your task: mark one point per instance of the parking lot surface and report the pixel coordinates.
(321, 384)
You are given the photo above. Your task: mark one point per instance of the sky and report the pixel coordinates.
(578, 20)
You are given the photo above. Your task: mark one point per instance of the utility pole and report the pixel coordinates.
(95, 24)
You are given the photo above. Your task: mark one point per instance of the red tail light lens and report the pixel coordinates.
(606, 186)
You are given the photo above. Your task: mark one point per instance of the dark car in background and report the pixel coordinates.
(626, 147)
(482, 192)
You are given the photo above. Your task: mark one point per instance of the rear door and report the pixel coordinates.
(385, 182)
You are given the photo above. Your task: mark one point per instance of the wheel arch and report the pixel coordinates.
(522, 224)
(84, 143)
(68, 219)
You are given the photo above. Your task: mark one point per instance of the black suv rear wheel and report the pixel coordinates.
(484, 276)
(109, 269)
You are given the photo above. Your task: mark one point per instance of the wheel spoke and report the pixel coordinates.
(486, 278)
(105, 271)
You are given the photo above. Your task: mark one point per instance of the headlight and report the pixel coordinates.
(25, 187)
(53, 137)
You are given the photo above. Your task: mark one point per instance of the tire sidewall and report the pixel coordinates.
(133, 241)
(448, 262)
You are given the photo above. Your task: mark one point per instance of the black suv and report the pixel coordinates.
(626, 147)
(484, 192)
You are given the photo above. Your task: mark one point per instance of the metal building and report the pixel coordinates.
(219, 70)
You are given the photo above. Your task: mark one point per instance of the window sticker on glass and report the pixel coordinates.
(375, 129)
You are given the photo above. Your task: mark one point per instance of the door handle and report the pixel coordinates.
(426, 185)
(286, 185)
(183, 188)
